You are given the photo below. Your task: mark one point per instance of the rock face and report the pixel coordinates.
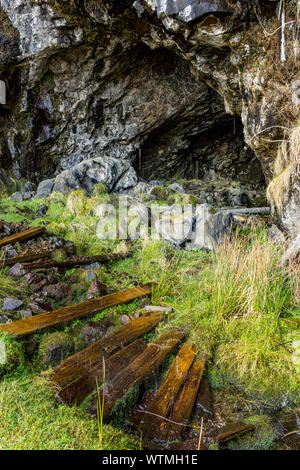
(196, 89)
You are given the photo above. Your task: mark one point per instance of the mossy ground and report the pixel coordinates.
(240, 310)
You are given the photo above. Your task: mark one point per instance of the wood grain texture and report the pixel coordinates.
(105, 370)
(19, 237)
(66, 314)
(139, 369)
(76, 261)
(185, 401)
(71, 368)
(26, 258)
(153, 426)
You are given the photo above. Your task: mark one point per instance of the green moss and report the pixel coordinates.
(12, 356)
(99, 189)
(263, 438)
(54, 348)
(32, 419)
(119, 412)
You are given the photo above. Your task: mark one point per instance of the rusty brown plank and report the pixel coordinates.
(71, 368)
(26, 258)
(232, 431)
(152, 423)
(66, 314)
(77, 391)
(77, 261)
(139, 369)
(20, 237)
(185, 401)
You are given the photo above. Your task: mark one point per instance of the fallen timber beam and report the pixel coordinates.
(26, 258)
(138, 370)
(247, 211)
(20, 237)
(152, 423)
(64, 315)
(71, 368)
(77, 391)
(185, 401)
(77, 261)
(232, 431)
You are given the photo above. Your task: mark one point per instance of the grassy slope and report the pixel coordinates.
(236, 306)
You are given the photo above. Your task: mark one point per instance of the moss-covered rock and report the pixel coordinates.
(54, 348)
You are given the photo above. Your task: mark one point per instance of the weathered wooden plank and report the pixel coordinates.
(71, 367)
(140, 368)
(232, 431)
(66, 314)
(77, 261)
(77, 391)
(163, 400)
(185, 401)
(26, 258)
(203, 400)
(19, 237)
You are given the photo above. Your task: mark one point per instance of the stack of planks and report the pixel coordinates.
(174, 401)
(108, 362)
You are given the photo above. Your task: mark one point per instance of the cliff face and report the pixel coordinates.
(201, 89)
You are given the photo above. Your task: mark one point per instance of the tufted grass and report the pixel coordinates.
(236, 305)
(32, 419)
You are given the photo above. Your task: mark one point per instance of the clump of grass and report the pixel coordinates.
(8, 285)
(32, 419)
(236, 305)
(13, 352)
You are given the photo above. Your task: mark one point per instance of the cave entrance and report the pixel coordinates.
(215, 162)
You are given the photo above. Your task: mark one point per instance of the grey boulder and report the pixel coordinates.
(10, 304)
(117, 174)
(45, 188)
(293, 251)
(211, 228)
(17, 197)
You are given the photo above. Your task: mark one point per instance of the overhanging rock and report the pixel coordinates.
(189, 10)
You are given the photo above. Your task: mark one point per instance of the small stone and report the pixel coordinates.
(93, 331)
(135, 316)
(4, 319)
(45, 189)
(56, 291)
(36, 308)
(124, 319)
(7, 229)
(31, 278)
(156, 183)
(91, 276)
(25, 313)
(9, 251)
(29, 187)
(176, 187)
(96, 289)
(17, 270)
(10, 304)
(28, 196)
(17, 197)
(54, 348)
